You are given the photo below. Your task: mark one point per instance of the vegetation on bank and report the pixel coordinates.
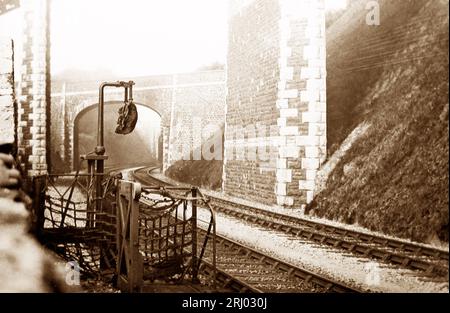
(394, 178)
(201, 173)
(206, 174)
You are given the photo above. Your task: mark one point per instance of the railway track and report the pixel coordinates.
(243, 269)
(409, 255)
(429, 261)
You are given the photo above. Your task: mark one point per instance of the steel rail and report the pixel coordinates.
(411, 256)
(371, 238)
(285, 274)
(407, 255)
(256, 259)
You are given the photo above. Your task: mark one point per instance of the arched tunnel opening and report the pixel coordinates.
(141, 147)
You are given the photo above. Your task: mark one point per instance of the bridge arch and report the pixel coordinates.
(87, 105)
(121, 150)
(187, 94)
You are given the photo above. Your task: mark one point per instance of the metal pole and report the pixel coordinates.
(91, 180)
(194, 237)
(100, 157)
(100, 149)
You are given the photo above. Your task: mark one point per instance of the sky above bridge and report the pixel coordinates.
(134, 37)
(138, 37)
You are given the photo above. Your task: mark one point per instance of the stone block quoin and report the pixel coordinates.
(276, 77)
(34, 104)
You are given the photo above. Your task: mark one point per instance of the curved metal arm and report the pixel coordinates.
(100, 149)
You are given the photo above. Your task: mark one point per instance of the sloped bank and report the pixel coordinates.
(202, 173)
(394, 178)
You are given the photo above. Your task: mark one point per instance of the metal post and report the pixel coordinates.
(99, 158)
(194, 237)
(100, 218)
(98, 182)
(90, 215)
(96, 163)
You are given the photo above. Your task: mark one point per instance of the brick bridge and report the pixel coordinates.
(175, 96)
(275, 77)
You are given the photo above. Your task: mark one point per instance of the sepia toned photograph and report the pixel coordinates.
(224, 151)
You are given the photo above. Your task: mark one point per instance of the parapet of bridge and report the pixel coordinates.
(277, 81)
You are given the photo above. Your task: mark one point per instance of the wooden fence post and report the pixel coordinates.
(129, 258)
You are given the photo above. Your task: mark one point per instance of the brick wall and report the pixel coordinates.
(197, 111)
(34, 105)
(26, 267)
(7, 98)
(276, 80)
(252, 77)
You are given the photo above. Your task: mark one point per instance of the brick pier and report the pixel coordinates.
(276, 81)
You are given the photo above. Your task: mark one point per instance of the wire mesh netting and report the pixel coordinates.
(165, 234)
(75, 223)
(133, 235)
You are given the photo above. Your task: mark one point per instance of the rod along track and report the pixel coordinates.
(408, 255)
(244, 269)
